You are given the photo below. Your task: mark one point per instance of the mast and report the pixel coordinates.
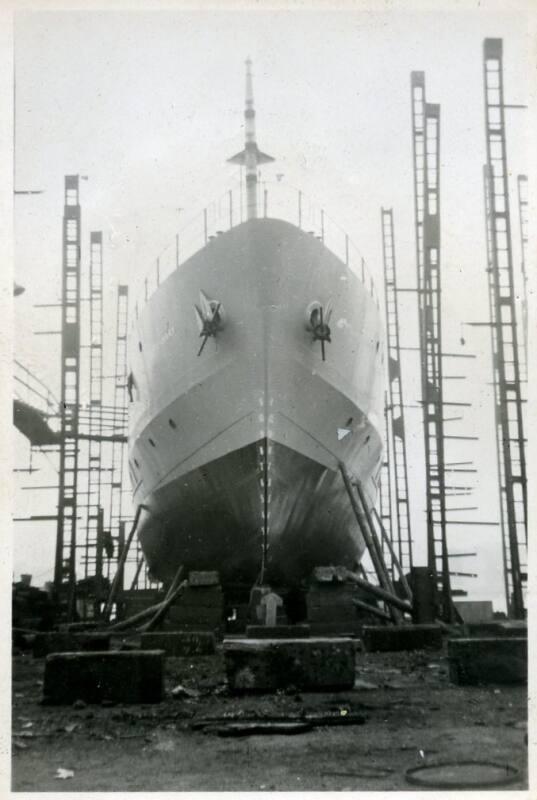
(250, 146)
(251, 157)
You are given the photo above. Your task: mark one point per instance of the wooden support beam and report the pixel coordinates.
(377, 591)
(121, 563)
(137, 573)
(404, 582)
(372, 610)
(128, 623)
(373, 549)
(176, 588)
(388, 585)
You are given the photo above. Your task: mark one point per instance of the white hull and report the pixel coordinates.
(236, 451)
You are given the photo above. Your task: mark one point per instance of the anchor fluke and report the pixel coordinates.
(210, 318)
(318, 323)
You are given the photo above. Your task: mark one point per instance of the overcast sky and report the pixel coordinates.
(149, 106)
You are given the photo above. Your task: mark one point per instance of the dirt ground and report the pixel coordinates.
(413, 716)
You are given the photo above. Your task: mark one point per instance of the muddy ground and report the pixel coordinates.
(409, 713)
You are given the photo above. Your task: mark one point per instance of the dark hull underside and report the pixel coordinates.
(213, 519)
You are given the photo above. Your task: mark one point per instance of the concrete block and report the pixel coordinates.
(488, 660)
(277, 631)
(132, 602)
(190, 614)
(481, 630)
(121, 677)
(203, 579)
(384, 638)
(514, 627)
(216, 629)
(487, 630)
(344, 628)
(66, 642)
(475, 611)
(331, 595)
(339, 613)
(201, 608)
(331, 609)
(77, 627)
(180, 643)
(201, 597)
(424, 590)
(266, 665)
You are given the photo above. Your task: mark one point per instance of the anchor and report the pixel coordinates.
(318, 324)
(209, 318)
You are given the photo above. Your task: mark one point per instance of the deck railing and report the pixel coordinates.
(276, 201)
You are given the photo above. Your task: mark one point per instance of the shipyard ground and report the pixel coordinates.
(413, 715)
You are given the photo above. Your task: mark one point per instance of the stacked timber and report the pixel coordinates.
(201, 605)
(134, 601)
(32, 608)
(330, 603)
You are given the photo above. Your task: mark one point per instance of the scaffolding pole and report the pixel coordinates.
(496, 396)
(522, 194)
(92, 546)
(66, 533)
(426, 152)
(506, 365)
(401, 536)
(385, 495)
(119, 416)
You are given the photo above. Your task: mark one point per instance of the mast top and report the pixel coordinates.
(251, 157)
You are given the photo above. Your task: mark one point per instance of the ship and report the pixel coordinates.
(255, 370)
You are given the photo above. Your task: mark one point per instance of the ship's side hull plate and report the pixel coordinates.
(213, 515)
(219, 497)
